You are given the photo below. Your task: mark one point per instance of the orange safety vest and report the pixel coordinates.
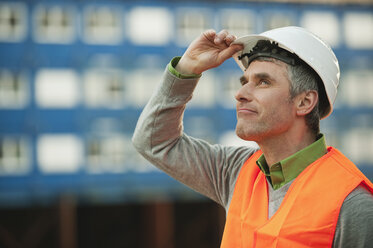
(309, 211)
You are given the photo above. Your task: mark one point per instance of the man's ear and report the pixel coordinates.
(306, 101)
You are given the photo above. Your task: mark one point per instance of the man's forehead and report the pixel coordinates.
(266, 65)
(273, 70)
(269, 60)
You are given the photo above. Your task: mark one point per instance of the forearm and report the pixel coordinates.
(160, 123)
(160, 139)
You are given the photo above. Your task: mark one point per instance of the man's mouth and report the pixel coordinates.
(246, 111)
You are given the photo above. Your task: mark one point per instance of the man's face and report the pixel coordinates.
(264, 107)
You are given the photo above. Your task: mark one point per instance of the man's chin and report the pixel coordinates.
(246, 136)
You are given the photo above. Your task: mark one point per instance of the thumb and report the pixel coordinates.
(228, 52)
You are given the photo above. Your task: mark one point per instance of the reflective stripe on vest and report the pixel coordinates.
(309, 211)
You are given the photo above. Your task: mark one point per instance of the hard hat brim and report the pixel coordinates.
(249, 41)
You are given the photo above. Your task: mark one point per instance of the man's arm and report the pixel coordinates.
(159, 133)
(355, 223)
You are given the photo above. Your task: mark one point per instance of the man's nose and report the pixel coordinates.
(244, 94)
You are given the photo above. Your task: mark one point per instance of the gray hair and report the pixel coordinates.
(303, 78)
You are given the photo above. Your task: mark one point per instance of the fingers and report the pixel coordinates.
(229, 39)
(224, 37)
(210, 34)
(221, 38)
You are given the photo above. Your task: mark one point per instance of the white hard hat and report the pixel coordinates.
(308, 47)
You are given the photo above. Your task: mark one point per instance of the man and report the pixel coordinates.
(293, 191)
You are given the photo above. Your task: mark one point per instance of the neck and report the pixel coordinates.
(277, 148)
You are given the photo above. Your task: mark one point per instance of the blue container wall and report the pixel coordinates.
(74, 77)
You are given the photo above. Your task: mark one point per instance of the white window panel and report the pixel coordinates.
(358, 30)
(278, 20)
(104, 88)
(149, 26)
(332, 136)
(107, 154)
(59, 153)
(103, 25)
(94, 154)
(356, 88)
(13, 22)
(14, 90)
(204, 94)
(57, 88)
(14, 156)
(237, 22)
(114, 154)
(141, 85)
(323, 24)
(191, 23)
(54, 24)
(200, 126)
(357, 145)
(229, 85)
(230, 138)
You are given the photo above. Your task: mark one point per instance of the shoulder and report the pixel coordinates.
(355, 220)
(235, 159)
(357, 195)
(358, 205)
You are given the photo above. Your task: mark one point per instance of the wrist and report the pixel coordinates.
(187, 67)
(172, 68)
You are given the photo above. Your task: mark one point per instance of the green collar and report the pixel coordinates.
(288, 169)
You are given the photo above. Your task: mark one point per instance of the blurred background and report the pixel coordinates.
(74, 77)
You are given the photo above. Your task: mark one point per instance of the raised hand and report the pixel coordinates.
(209, 50)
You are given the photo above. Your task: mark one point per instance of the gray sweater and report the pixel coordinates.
(212, 170)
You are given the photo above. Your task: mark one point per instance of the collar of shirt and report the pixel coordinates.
(288, 169)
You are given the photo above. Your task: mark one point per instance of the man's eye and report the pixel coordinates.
(243, 82)
(264, 82)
